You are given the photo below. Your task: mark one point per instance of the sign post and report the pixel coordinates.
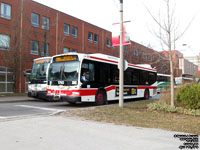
(121, 70)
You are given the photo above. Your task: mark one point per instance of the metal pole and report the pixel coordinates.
(20, 49)
(56, 33)
(121, 73)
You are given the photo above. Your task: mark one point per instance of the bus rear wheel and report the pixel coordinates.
(100, 98)
(146, 94)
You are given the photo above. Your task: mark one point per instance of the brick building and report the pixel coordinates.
(29, 30)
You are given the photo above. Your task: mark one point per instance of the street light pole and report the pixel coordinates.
(121, 61)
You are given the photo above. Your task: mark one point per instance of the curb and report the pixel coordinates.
(12, 99)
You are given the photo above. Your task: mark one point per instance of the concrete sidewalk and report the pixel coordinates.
(60, 133)
(5, 99)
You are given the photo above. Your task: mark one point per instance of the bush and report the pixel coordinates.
(188, 96)
(160, 106)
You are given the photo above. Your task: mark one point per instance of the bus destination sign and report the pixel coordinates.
(66, 58)
(42, 61)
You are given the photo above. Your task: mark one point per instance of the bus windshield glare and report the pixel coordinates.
(39, 71)
(64, 71)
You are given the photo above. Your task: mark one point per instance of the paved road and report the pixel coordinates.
(30, 107)
(34, 107)
(58, 133)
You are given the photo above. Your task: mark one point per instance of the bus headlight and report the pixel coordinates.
(75, 93)
(49, 92)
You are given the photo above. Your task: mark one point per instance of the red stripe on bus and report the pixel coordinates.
(147, 87)
(141, 67)
(110, 88)
(81, 92)
(117, 62)
(103, 59)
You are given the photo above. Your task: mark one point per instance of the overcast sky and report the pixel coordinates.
(103, 13)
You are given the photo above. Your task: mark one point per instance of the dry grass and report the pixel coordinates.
(135, 113)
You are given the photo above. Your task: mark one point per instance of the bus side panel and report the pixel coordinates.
(90, 98)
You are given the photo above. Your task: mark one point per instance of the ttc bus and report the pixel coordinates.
(38, 78)
(163, 82)
(101, 79)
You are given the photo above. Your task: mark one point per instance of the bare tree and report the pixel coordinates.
(168, 35)
(16, 56)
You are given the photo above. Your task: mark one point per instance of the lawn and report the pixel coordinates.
(135, 113)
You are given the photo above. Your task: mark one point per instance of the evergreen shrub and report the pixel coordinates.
(188, 96)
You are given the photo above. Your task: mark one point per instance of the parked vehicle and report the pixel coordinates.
(37, 86)
(163, 81)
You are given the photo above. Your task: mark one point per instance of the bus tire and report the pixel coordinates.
(146, 94)
(72, 103)
(100, 98)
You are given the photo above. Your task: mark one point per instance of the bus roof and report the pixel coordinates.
(41, 58)
(165, 75)
(108, 59)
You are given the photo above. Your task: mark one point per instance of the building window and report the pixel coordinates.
(74, 50)
(126, 47)
(34, 47)
(90, 36)
(35, 19)
(45, 49)
(4, 42)
(5, 11)
(136, 52)
(108, 43)
(143, 55)
(45, 22)
(65, 50)
(66, 29)
(74, 32)
(96, 38)
(6, 80)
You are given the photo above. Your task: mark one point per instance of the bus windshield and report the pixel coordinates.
(39, 71)
(64, 71)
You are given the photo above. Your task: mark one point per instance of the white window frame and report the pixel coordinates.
(90, 37)
(33, 51)
(6, 10)
(108, 42)
(66, 29)
(34, 22)
(6, 72)
(45, 23)
(47, 49)
(96, 38)
(66, 50)
(4, 42)
(74, 32)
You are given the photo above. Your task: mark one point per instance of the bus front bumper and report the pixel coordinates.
(71, 99)
(38, 94)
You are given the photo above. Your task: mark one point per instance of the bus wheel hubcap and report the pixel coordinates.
(100, 98)
(147, 94)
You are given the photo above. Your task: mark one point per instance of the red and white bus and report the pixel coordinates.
(101, 79)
